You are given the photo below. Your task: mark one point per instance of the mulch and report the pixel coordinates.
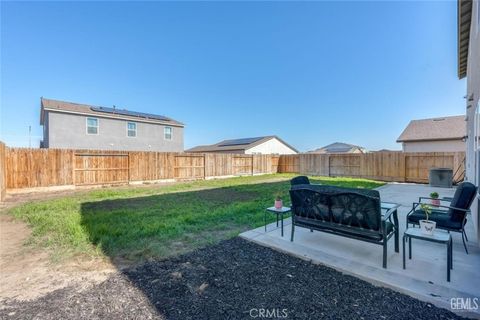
(234, 279)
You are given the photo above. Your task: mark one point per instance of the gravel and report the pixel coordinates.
(234, 279)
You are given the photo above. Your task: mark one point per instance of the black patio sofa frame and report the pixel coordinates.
(313, 199)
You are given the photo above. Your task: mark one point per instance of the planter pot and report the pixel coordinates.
(435, 202)
(427, 227)
(278, 204)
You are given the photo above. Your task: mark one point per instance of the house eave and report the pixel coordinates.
(464, 10)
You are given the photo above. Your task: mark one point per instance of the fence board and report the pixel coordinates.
(3, 183)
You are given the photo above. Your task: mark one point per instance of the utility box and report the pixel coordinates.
(441, 177)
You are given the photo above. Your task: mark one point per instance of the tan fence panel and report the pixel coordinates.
(242, 165)
(289, 163)
(3, 177)
(218, 164)
(144, 166)
(189, 166)
(30, 168)
(417, 166)
(94, 168)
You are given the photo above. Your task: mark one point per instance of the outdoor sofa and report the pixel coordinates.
(451, 216)
(347, 212)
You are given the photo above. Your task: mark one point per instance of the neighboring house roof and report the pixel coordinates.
(435, 129)
(105, 112)
(237, 144)
(339, 147)
(464, 8)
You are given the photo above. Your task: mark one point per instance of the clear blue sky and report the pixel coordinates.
(312, 73)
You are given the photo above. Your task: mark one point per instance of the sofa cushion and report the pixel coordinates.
(442, 218)
(345, 230)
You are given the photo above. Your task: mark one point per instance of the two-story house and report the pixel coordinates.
(68, 125)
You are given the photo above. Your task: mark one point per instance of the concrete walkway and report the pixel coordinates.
(425, 277)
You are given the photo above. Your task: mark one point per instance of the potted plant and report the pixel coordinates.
(278, 202)
(435, 200)
(427, 226)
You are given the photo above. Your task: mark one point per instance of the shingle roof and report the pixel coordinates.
(236, 144)
(338, 147)
(78, 108)
(435, 129)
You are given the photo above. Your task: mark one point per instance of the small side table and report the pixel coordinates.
(277, 212)
(438, 237)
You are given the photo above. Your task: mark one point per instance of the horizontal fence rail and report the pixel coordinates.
(31, 168)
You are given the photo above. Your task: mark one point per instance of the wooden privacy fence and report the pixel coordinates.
(385, 166)
(30, 168)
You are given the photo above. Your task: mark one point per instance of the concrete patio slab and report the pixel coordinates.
(425, 276)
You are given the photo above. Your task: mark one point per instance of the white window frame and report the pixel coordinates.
(134, 123)
(86, 126)
(165, 133)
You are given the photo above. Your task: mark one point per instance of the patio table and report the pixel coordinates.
(277, 212)
(438, 237)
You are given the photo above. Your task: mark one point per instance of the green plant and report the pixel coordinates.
(427, 209)
(434, 195)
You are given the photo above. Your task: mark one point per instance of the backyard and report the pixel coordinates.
(138, 224)
(172, 252)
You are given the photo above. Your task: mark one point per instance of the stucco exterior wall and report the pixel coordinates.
(69, 131)
(472, 105)
(434, 146)
(272, 146)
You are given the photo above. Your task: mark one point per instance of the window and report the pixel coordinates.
(92, 126)
(167, 133)
(131, 129)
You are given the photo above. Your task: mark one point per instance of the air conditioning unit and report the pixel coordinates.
(441, 177)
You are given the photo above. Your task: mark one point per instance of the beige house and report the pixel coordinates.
(469, 66)
(257, 145)
(339, 147)
(445, 134)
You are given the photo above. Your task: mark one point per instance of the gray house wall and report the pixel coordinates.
(69, 131)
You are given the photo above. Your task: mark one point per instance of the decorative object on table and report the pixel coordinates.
(435, 201)
(278, 202)
(428, 227)
(450, 216)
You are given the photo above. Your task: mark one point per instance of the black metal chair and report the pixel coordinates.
(451, 217)
(299, 180)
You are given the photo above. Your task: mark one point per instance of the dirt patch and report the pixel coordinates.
(28, 273)
(232, 280)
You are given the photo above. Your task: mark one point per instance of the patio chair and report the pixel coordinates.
(299, 180)
(451, 217)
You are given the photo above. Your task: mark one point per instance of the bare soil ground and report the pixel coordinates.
(28, 273)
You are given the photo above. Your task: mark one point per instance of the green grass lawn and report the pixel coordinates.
(135, 224)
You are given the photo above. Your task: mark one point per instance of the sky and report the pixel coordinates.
(312, 73)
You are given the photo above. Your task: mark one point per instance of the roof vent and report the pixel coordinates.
(439, 119)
